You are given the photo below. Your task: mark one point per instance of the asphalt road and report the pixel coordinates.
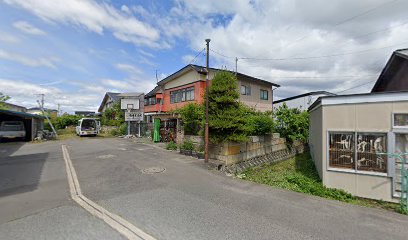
(188, 201)
(185, 201)
(34, 197)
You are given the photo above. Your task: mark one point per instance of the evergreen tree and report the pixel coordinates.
(227, 116)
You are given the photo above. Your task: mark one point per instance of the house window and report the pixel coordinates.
(182, 95)
(358, 151)
(341, 150)
(400, 120)
(245, 90)
(264, 94)
(151, 101)
(146, 102)
(369, 145)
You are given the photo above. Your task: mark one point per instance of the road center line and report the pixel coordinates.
(116, 222)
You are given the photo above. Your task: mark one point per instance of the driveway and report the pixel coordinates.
(188, 201)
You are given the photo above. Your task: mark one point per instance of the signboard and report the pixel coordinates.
(132, 103)
(133, 116)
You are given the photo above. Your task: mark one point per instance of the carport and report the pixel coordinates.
(33, 123)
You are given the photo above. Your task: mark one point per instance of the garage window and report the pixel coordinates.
(341, 150)
(358, 151)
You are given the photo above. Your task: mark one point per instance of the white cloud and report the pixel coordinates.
(8, 38)
(28, 28)
(187, 58)
(297, 28)
(117, 84)
(94, 16)
(132, 70)
(27, 61)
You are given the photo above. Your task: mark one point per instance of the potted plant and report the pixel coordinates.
(188, 147)
(200, 152)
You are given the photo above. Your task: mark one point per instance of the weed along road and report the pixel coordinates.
(113, 188)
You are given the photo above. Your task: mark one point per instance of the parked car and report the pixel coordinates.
(88, 127)
(12, 129)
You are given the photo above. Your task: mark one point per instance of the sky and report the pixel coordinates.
(74, 51)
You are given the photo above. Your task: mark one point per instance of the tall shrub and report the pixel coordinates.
(227, 117)
(113, 116)
(192, 115)
(292, 123)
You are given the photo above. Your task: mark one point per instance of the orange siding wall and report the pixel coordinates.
(199, 89)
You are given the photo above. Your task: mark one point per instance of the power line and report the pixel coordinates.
(356, 86)
(322, 56)
(300, 77)
(365, 13)
(345, 20)
(367, 34)
(222, 55)
(196, 56)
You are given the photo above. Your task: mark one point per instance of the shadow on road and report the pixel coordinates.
(20, 173)
(8, 148)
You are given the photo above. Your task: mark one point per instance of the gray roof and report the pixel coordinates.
(393, 63)
(113, 96)
(21, 114)
(202, 70)
(130, 94)
(305, 94)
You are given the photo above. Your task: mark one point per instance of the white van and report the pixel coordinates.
(88, 127)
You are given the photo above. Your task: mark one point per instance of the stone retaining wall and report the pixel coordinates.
(231, 153)
(276, 156)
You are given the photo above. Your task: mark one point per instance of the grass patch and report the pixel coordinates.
(299, 174)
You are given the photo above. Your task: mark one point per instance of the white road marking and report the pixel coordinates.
(116, 222)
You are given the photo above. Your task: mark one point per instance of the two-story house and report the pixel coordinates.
(188, 84)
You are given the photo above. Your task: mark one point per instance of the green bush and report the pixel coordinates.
(123, 129)
(260, 124)
(171, 146)
(192, 115)
(113, 116)
(292, 124)
(187, 145)
(62, 122)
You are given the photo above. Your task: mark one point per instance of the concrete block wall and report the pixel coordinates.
(233, 153)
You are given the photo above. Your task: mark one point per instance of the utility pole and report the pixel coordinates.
(41, 105)
(236, 66)
(59, 109)
(206, 103)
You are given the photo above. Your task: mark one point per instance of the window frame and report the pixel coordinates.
(180, 95)
(355, 170)
(393, 119)
(261, 95)
(247, 90)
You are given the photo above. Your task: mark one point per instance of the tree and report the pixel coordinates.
(113, 116)
(227, 116)
(292, 123)
(3, 98)
(192, 115)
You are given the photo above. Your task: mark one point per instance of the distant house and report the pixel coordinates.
(37, 111)
(14, 107)
(108, 100)
(394, 76)
(302, 101)
(188, 85)
(85, 113)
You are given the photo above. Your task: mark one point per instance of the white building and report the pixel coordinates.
(303, 101)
